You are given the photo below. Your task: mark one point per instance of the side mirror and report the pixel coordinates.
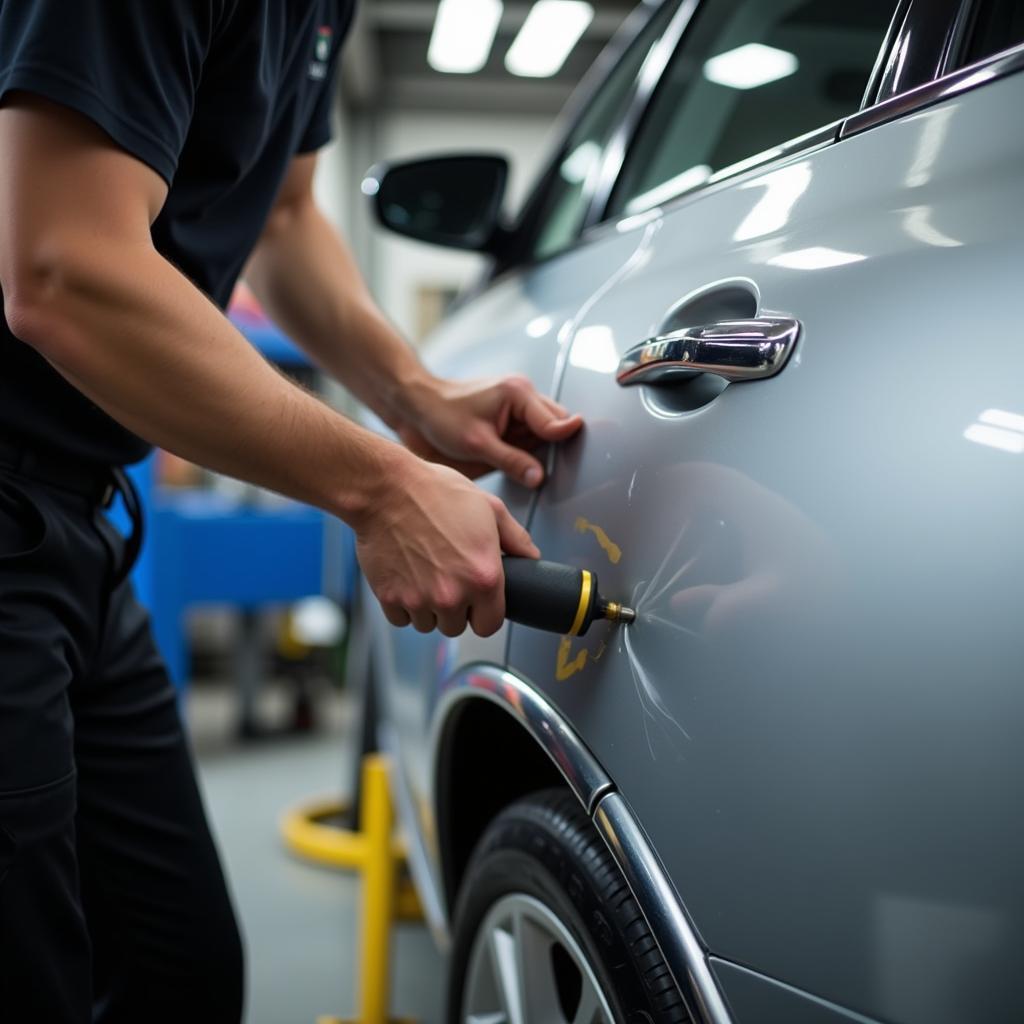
(451, 200)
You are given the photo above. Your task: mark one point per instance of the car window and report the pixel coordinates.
(565, 205)
(748, 76)
(998, 25)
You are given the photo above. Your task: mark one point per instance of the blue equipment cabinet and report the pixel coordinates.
(202, 547)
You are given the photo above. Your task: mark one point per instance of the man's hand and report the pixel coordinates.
(477, 426)
(431, 550)
(308, 281)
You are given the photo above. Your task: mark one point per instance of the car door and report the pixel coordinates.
(815, 717)
(520, 323)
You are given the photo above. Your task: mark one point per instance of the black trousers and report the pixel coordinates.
(113, 904)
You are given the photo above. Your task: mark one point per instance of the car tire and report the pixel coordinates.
(544, 918)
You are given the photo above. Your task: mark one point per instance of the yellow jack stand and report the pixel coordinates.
(374, 852)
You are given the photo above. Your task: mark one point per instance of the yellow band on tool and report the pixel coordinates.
(581, 611)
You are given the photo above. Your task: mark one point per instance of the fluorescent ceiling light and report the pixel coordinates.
(463, 35)
(551, 30)
(749, 66)
(815, 258)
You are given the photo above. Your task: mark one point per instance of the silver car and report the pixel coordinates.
(771, 262)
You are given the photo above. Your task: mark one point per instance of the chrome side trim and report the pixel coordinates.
(640, 866)
(1008, 62)
(665, 916)
(585, 777)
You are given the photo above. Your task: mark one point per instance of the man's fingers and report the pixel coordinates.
(515, 540)
(486, 617)
(452, 622)
(396, 615)
(546, 418)
(515, 463)
(424, 621)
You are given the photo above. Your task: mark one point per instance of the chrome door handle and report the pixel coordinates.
(733, 349)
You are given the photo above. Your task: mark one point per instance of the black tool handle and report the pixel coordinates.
(548, 596)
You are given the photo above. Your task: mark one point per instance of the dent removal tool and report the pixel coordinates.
(557, 598)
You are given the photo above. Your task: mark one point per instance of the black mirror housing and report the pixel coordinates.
(453, 201)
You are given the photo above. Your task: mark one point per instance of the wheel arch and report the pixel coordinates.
(542, 745)
(487, 712)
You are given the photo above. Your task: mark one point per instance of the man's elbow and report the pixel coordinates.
(43, 288)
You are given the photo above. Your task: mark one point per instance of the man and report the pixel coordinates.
(147, 151)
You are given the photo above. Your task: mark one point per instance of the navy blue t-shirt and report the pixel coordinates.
(217, 96)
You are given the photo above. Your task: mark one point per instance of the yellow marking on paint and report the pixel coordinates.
(564, 668)
(611, 549)
(567, 665)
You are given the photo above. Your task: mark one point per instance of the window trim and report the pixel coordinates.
(954, 83)
(523, 232)
(651, 74)
(928, 38)
(810, 141)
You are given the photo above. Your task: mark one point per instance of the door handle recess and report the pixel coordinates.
(733, 349)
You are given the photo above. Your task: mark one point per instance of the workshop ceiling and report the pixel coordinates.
(385, 61)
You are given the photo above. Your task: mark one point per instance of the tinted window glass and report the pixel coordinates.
(566, 202)
(998, 26)
(747, 77)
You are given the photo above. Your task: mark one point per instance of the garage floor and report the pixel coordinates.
(298, 920)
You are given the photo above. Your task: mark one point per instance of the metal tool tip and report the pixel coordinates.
(627, 615)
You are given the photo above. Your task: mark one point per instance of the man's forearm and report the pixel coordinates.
(141, 341)
(309, 283)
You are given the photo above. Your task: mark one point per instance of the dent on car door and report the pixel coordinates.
(815, 716)
(519, 324)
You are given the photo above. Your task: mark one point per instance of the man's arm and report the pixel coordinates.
(83, 284)
(306, 278)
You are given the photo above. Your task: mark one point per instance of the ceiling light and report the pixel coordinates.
(463, 35)
(750, 65)
(551, 30)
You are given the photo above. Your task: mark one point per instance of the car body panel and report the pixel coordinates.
(815, 718)
(754, 999)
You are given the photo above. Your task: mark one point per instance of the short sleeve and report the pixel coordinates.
(131, 66)
(318, 129)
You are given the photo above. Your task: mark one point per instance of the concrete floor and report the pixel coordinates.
(299, 921)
